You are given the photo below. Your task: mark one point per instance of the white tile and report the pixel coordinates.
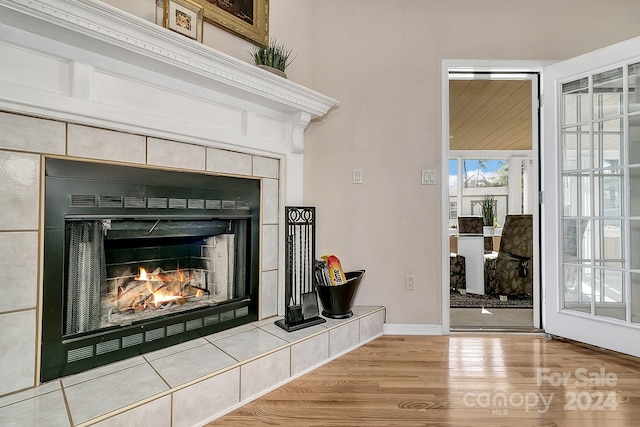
(18, 354)
(371, 325)
(156, 413)
(192, 364)
(270, 201)
(45, 410)
(309, 352)
(195, 404)
(261, 374)
(344, 337)
(30, 393)
(31, 134)
(172, 154)
(102, 371)
(19, 190)
(269, 294)
(174, 349)
(300, 334)
(269, 247)
(116, 390)
(249, 344)
(223, 161)
(103, 144)
(266, 167)
(19, 272)
(230, 332)
(363, 310)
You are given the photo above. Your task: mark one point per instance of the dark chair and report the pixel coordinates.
(470, 225)
(457, 272)
(514, 265)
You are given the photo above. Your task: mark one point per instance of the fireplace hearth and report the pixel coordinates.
(138, 259)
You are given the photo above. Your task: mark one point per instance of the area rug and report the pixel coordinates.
(458, 300)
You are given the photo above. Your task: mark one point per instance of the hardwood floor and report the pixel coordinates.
(460, 380)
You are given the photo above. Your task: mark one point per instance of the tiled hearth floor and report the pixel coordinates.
(192, 382)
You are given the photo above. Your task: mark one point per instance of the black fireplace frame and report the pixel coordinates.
(76, 189)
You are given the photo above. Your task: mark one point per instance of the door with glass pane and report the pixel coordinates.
(591, 205)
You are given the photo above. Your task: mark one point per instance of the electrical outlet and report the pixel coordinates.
(410, 282)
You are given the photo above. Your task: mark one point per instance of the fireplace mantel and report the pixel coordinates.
(98, 65)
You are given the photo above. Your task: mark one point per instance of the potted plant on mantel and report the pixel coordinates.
(273, 57)
(488, 215)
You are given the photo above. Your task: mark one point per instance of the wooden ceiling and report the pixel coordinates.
(490, 114)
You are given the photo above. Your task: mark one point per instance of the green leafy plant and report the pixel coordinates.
(275, 55)
(488, 210)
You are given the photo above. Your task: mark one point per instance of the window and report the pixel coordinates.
(453, 210)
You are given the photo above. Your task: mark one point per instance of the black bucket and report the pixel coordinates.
(338, 300)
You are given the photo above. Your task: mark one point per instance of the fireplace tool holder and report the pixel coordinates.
(301, 299)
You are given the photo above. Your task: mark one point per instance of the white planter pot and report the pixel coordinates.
(488, 231)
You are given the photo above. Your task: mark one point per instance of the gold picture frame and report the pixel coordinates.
(185, 17)
(248, 19)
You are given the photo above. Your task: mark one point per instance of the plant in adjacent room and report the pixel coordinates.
(488, 211)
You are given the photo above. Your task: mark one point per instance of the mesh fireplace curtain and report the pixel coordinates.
(86, 276)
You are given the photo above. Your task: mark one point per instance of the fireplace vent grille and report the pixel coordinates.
(79, 353)
(157, 203)
(107, 346)
(138, 338)
(195, 204)
(83, 201)
(177, 203)
(110, 201)
(135, 202)
(213, 204)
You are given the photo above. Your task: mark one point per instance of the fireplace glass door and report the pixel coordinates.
(125, 271)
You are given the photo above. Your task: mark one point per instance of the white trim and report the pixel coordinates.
(465, 65)
(490, 154)
(413, 329)
(99, 27)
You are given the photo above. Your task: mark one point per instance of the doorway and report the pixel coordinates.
(491, 161)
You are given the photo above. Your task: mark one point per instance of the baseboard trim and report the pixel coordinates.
(412, 329)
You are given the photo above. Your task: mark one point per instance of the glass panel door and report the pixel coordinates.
(592, 198)
(593, 138)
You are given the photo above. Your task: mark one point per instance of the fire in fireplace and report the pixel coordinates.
(138, 259)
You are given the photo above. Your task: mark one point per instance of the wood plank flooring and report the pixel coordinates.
(460, 380)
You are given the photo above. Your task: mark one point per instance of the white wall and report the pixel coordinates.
(382, 60)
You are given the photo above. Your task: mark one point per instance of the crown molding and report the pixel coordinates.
(94, 26)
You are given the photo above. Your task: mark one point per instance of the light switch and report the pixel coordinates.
(429, 177)
(357, 176)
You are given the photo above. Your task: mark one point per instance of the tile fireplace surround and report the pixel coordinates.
(87, 81)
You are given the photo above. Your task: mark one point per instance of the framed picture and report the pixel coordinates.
(248, 19)
(184, 17)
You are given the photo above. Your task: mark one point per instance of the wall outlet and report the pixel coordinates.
(410, 282)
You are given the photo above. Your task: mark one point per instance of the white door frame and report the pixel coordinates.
(497, 66)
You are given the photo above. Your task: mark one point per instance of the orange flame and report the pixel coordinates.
(142, 276)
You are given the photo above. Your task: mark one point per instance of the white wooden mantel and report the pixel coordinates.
(86, 62)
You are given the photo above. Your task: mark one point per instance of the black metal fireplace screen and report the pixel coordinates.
(137, 259)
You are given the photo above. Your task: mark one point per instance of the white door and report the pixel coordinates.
(591, 198)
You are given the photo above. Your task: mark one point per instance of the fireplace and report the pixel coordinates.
(138, 259)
